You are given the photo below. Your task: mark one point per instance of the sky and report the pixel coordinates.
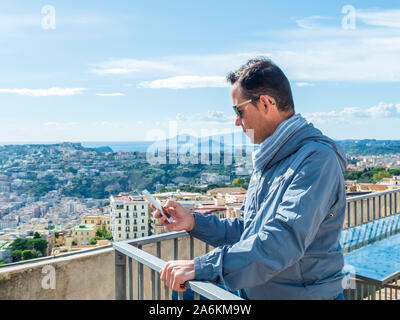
(145, 70)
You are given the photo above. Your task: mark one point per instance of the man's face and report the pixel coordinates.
(252, 121)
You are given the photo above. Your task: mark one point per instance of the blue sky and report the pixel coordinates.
(135, 70)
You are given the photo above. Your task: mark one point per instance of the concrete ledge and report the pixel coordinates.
(87, 275)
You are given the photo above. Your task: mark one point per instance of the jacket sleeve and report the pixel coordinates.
(217, 232)
(282, 240)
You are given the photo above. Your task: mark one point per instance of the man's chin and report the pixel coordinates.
(250, 134)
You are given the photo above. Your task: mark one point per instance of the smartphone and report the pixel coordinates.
(156, 204)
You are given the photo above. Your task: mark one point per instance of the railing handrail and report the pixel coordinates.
(372, 195)
(205, 289)
(155, 238)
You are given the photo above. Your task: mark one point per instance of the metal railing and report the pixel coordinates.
(132, 259)
(370, 232)
(371, 289)
(128, 253)
(370, 207)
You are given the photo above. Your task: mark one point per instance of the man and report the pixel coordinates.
(286, 243)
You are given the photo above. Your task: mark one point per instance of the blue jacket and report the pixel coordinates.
(286, 244)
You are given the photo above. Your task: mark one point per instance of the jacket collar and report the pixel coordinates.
(271, 146)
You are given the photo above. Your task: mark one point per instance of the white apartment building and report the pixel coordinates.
(129, 217)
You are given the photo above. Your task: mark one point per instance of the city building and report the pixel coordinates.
(207, 177)
(129, 217)
(80, 235)
(371, 187)
(177, 195)
(393, 181)
(223, 191)
(99, 220)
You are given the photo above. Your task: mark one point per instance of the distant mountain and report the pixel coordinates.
(369, 147)
(237, 140)
(221, 142)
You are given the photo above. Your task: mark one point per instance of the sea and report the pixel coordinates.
(118, 146)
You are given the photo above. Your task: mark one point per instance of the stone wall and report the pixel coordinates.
(85, 275)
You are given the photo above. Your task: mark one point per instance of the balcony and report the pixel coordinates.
(129, 269)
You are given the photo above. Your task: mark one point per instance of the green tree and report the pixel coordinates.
(56, 234)
(2, 262)
(27, 255)
(36, 253)
(16, 255)
(238, 182)
(93, 241)
(20, 244)
(36, 235)
(394, 172)
(103, 234)
(39, 245)
(380, 175)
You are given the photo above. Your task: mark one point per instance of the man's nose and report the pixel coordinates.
(238, 121)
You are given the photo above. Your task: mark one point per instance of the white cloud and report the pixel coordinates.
(111, 71)
(176, 66)
(304, 84)
(320, 50)
(183, 82)
(217, 116)
(311, 22)
(211, 116)
(382, 110)
(383, 18)
(60, 125)
(107, 125)
(53, 91)
(127, 66)
(116, 94)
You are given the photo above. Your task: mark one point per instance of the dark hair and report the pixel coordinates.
(261, 76)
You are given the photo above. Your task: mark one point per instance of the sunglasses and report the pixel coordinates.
(236, 108)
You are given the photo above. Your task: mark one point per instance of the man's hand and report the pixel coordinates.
(183, 219)
(176, 273)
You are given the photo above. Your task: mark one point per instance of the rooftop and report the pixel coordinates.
(227, 190)
(128, 198)
(82, 227)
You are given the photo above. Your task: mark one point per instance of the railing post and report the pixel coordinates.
(130, 278)
(140, 279)
(153, 285)
(355, 213)
(373, 208)
(175, 249)
(120, 276)
(158, 275)
(348, 214)
(368, 210)
(191, 248)
(362, 211)
(385, 197)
